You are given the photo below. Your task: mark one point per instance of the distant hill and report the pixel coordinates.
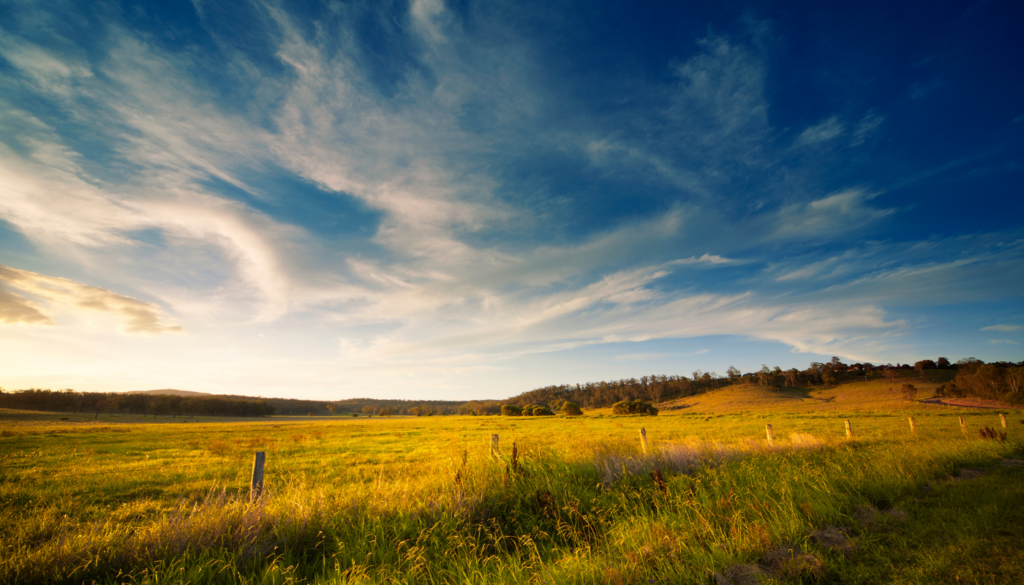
(169, 391)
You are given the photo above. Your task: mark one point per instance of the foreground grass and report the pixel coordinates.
(421, 500)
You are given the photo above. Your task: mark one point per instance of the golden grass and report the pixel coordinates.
(420, 500)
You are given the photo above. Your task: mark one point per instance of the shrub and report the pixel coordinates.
(571, 409)
(634, 407)
(511, 410)
(908, 391)
(542, 411)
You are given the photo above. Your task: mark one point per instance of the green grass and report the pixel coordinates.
(420, 500)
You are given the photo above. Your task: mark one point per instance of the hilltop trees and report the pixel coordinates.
(923, 365)
(997, 381)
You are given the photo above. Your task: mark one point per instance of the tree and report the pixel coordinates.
(733, 373)
(416, 411)
(332, 408)
(968, 365)
(1014, 378)
(828, 377)
(791, 377)
(942, 363)
(634, 407)
(923, 365)
(370, 409)
(571, 409)
(908, 391)
(511, 410)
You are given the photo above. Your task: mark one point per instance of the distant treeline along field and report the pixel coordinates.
(969, 377)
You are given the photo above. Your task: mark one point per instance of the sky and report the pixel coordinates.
(458, 200)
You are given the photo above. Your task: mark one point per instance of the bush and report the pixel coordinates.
(634, 407)
(571, 409)
(908, 391)
(542, 411)
(511, 410)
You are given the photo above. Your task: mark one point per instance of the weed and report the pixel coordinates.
(218, 448)
(659, 480)
(991, 434)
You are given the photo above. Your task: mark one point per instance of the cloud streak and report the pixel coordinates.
(67, 296)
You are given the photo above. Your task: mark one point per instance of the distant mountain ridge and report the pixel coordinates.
(169, 391)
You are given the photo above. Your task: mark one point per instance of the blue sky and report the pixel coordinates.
(469, 200)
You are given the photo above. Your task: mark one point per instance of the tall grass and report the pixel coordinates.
(422, 501)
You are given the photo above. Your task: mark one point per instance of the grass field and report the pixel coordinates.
(420, 500)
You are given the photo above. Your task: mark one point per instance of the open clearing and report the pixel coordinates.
(421, 500)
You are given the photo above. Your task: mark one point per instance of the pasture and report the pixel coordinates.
(422, 500)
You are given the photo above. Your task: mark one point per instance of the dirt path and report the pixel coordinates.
(968, 404)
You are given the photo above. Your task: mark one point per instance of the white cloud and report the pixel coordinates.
(1003, 342)
(1002, 328)
(67, 296)
(705, 259)
(821, 132)
(836, 213)
(867, 126)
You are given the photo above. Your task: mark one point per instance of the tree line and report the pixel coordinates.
(144, 404)
(1000, 380)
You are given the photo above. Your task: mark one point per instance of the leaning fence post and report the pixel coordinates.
(771, 435)
(494, 446)
(913, 427)
(256, 487)
(849, 431)
(963, 426)
(1002, 419)
(643, 440)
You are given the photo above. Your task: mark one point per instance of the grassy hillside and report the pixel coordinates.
(875, 394)
(421, 500)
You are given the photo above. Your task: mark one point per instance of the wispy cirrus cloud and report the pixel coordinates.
(1002, 328)
(823, 131)
(417, 186)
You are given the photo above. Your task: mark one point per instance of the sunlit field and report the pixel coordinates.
(422, 500)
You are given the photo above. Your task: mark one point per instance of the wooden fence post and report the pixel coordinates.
(256, 487)
(495, 452)
(1002, 419)
(963, 426)
(913, 427)
(771, 435)
(849, 431)
(643, 440)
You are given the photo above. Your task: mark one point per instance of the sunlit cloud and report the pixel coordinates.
(66, 296)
